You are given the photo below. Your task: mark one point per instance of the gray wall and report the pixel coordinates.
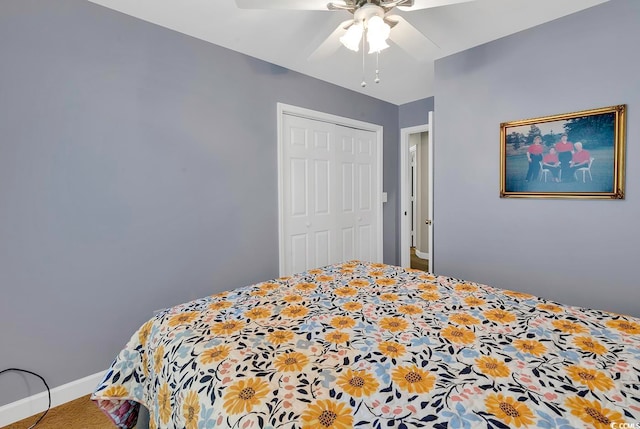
(415, 113)
(137, 171)
(582, 253)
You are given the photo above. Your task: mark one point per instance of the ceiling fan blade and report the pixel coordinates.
(426, 4)
(411, 40)
(285, 4)
(332, 43)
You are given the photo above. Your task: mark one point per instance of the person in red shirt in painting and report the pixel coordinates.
(581, 157)
(534, 156)
(565, 154)
(551, 162)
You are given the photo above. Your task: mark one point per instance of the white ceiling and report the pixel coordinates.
(288, 38)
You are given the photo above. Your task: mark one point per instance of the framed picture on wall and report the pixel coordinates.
(570, 155)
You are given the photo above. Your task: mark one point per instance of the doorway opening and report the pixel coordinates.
(416, 188)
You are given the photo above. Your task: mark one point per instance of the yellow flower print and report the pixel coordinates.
(458, 335)
(463, 319)
(516, 294)
(427, 287)
(593, 379)
(279, 337)
(359, 283)
(509, 410)
(385, 281)
(345, 291)
(258, 313)
(144, 332)
(499, 316)
(295, 311)
(492, 367)
(376, 273)
(183, 318)
(350, 264)
(590, 345)
(413, 379)
(473, 301)
(428, 277)
(327, 414)
(242, 396)
(315, 271)
(259, 292)
(164, 403)
(343, 322)
(377, 265)
(430, 296)
(158, 355)
(292, 299)
(337, 337)
(116, 391)
(306, 287)
(358, 383)
(389, 297)
(409, 309)
(466, 288)
(550, 307)
(191, 410)
(269, 286)
(222, 294)
(393, 324)
(569, 327)
(214, 354)
(392, 349)
(293, 361)
(325, 278)
(592, 413)
(352, 306)
(227, 327)
(220, 305)
(152, 421)
(533, 347)
(145, 362)
(626, 326)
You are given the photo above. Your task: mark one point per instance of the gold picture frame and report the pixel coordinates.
(570, 155)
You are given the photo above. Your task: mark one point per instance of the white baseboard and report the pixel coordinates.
(422, 255)
(36, 404)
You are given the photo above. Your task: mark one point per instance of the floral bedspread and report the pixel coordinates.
(377, 346)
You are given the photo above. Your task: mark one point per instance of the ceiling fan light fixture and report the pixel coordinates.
(351, 39)
(377, 34)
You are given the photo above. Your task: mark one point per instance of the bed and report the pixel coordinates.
(370, 345)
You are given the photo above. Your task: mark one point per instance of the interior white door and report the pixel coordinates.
(307, 204)
(357, 219)
(329, 194)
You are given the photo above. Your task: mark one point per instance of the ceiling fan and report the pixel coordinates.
(370, 17)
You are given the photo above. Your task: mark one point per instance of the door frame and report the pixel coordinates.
(287, 109)
(405, 191)
(413, 192)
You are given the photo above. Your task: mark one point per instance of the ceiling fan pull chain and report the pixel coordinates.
(377, 67)
(364, 83)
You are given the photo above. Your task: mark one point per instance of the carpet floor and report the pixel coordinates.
(77, 414)
(417, 262)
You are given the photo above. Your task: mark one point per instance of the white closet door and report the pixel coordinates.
(329, 194)
(308, 209)
(355, 183)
